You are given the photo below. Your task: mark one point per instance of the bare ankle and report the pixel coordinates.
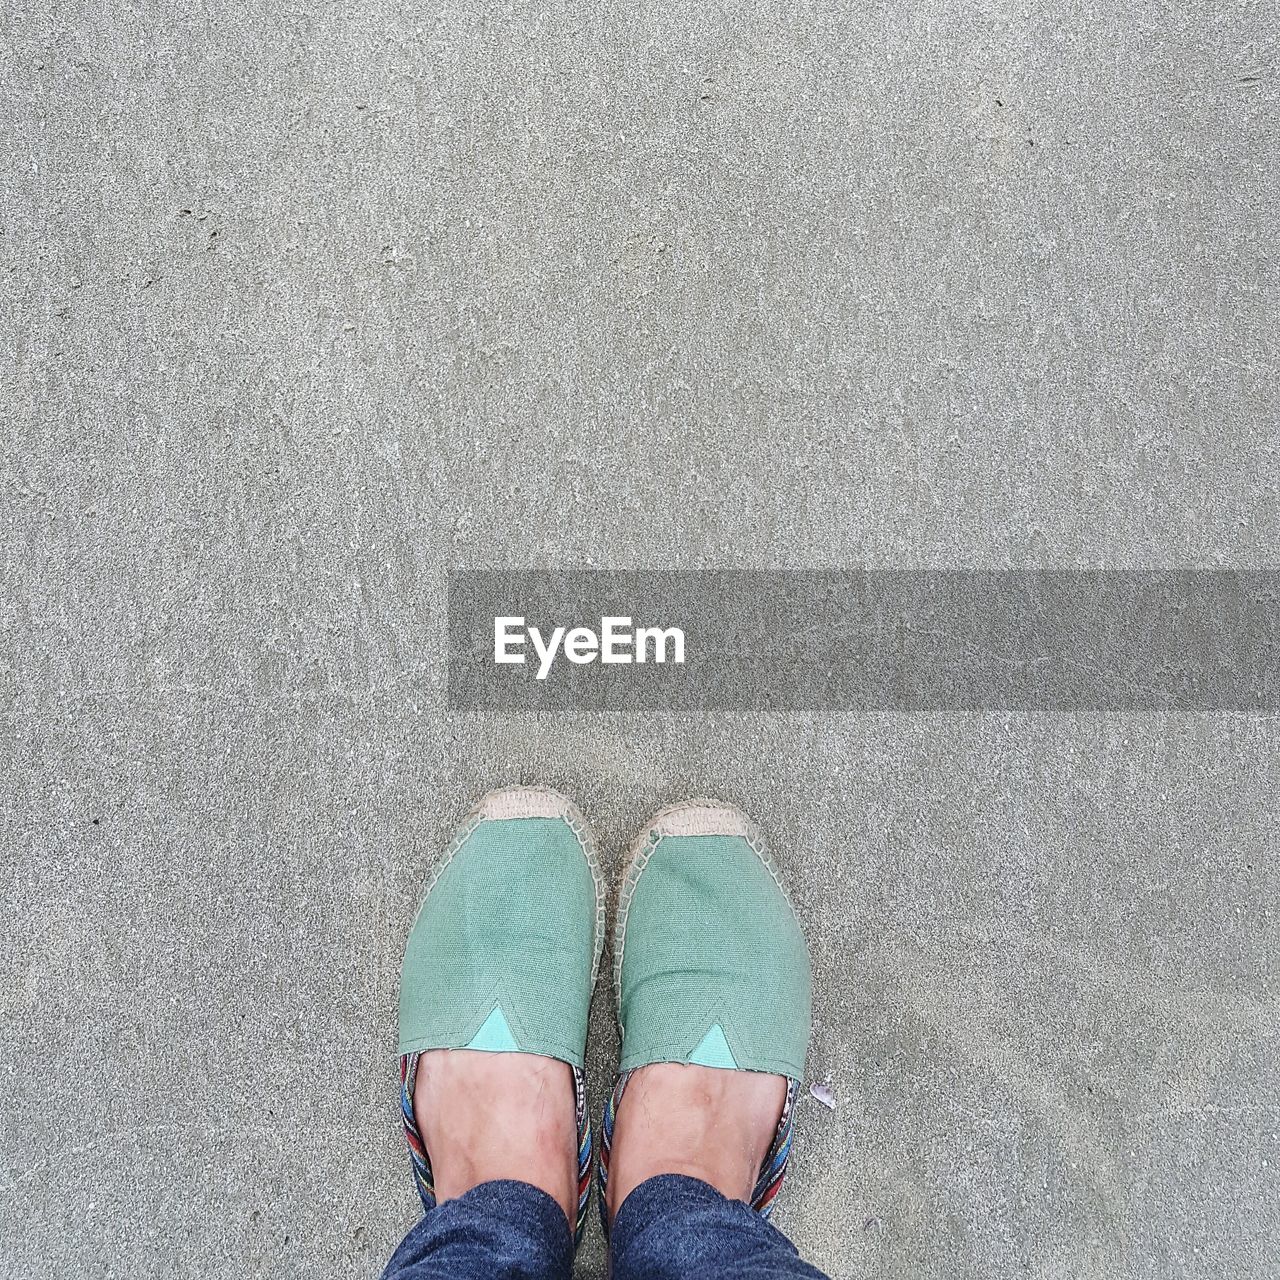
(488, 1116)
(702, 1122)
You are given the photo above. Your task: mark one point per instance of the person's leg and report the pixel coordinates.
(712, 979)
(507, 1229)
(677, 1228)
(489, 1117)
(709, 1124)
(690, 1152)
(502, 1132)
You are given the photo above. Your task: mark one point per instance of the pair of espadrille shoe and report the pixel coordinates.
(710, 966)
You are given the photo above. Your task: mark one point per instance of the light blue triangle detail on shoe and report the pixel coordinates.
(714, 1051)
(495, 1036)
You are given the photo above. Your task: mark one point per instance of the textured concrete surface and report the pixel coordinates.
(303, 305)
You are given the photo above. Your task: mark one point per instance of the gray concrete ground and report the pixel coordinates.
(304, 305)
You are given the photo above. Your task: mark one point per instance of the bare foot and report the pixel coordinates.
(704, 1122)
(498, 1115)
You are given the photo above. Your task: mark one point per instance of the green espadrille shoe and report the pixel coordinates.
(710, 966)
(504, 951)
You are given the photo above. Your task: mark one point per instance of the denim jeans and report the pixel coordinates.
(669, 1228)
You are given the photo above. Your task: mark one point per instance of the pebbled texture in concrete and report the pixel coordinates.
(303, 305)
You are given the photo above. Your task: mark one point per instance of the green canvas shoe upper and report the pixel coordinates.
(503, 954)
(504, 950)
(710, 965)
